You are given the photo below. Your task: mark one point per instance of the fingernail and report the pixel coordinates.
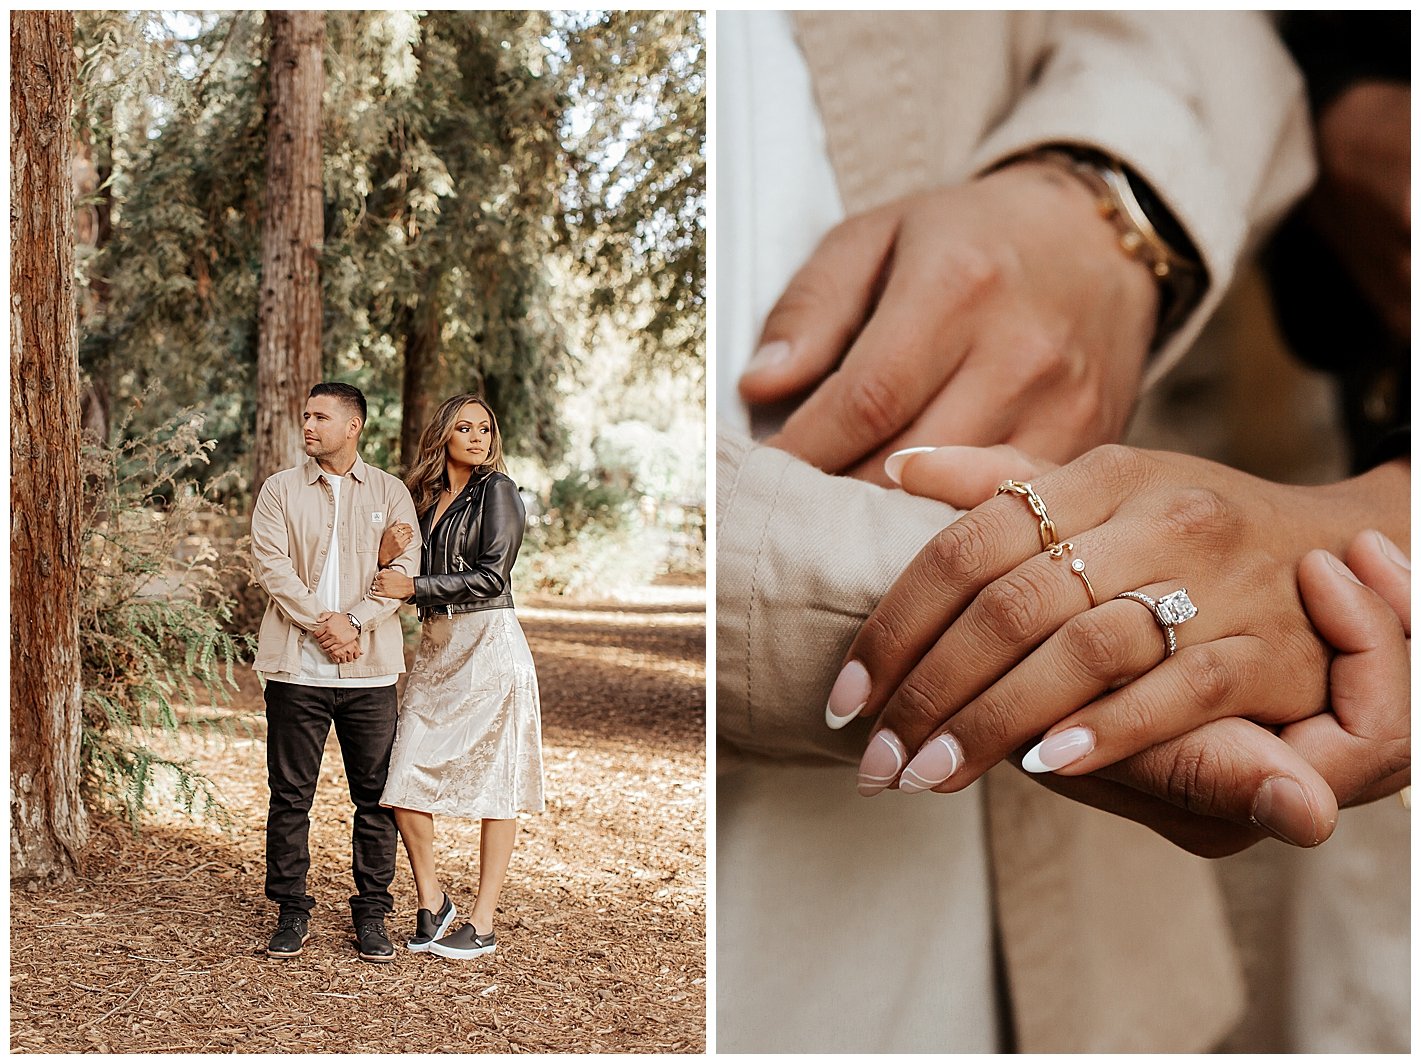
(769, 355)
(1059, 750)
(1392, 551)
(934, 763)
(893, 464)
(1336, 563)
(881, 763)
(1280, 807)
(849, 696)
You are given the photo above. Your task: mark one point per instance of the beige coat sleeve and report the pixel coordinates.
(1205, 105)
(271, 558)
(801, 559)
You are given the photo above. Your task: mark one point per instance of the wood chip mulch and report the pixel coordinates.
(160, 945)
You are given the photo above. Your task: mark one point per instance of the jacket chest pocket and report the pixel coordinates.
(367, 526)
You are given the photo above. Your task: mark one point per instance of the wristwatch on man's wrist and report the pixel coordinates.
(354, 622)
(1147, 231)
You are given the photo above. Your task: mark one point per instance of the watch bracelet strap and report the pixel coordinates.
(1147, 231)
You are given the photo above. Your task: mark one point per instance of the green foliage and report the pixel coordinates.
(153, 630)
(589, 539)
(476, 164)
(520, 195)
(636, 140)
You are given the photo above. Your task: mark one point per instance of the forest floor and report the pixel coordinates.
(160, 945)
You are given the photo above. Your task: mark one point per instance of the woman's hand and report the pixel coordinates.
(986, 641)
(998, 310)
(391, 583)
(394, 542)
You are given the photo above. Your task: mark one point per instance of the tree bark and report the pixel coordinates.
(289, 309)
(48, 826)
(420, 325)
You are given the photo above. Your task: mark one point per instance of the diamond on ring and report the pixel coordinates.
(1175, 608)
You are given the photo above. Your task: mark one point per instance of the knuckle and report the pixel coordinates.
(1194, 512)
(1114, 463)
(882, 639)
(874, 403)
(958, 552)
(808, 294)
(1208, 677)
(965, 274)
(1014, 609)
(915, 710)
(1038, 359)
(1096, 641)
(1199, 779)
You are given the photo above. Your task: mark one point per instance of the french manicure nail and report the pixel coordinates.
(881, 763)
(933, 764)
(769, 355)
(849, 696)
(1392, 551)
(1059, 750)
(1281, 807)
(893, 464)
(1337, 566)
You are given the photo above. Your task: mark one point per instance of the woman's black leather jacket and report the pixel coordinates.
(469, 554)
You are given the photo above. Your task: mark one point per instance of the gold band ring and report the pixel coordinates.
(1077, 567)
(1038, 507)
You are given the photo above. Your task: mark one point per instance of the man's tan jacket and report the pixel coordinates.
(1111, 939)
(291, 533)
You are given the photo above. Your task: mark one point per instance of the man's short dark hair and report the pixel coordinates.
(348, 394)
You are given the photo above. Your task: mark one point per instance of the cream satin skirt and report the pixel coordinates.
(469, 742)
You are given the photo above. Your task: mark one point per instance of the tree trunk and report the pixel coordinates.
(289, 310)
(48, 826)
(420, 325)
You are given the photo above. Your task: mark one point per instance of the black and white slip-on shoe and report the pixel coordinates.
(463, 943)
(292, 931)
(430, 926)
(373, 943)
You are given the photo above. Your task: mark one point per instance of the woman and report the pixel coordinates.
(467, 743)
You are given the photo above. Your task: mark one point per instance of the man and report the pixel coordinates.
(330, 652)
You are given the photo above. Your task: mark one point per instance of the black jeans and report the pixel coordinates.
(298, 719)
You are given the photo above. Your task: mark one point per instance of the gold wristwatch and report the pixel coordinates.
(1147, 231)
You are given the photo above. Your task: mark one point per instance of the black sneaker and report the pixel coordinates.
(429, 926)
(373, 943)
(465, 942)
(291, 935)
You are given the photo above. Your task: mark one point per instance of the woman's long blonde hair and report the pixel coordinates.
(428, 477)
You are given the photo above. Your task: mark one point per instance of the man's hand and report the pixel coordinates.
(334, 631)
(998, 311)
(344, 655)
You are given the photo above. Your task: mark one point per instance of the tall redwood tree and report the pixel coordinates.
(48, 826)
(289, 308)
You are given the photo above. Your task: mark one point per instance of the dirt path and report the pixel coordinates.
(161, 946)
